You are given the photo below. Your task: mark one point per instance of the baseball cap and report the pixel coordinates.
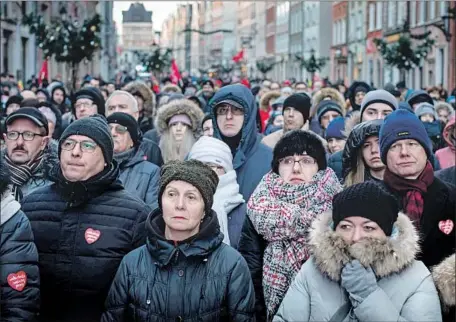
(31, 114)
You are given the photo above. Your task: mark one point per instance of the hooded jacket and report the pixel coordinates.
(145, 120)
(419, 96)
(198, 279)
(252, 158)
(82, 231)
(325, 93)
(265, 106)
(405, 289)
(447, 156)
(63, 107)
(351, 93)
(20, 298)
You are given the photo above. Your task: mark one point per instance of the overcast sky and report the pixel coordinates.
(160, 11)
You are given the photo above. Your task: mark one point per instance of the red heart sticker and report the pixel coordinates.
(17, 280)
(91, 235)
(446, 226)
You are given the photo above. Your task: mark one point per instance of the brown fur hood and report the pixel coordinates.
(146, 93)
(386, 256)
(332, 93)
(266, 99)
(179, 106)
(444, 279)
(351, 121)
(171, 88)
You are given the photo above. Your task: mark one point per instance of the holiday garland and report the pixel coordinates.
(157, 61)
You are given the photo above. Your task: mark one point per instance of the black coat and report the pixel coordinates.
(439, 207)
(199, 279)
(152, 151)
(18, 254)
(81, 240)
(251, 247)
(447, 175)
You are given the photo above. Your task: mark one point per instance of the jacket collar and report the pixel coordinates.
(386, 256)
(8, 207)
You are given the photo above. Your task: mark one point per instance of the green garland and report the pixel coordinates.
(312, 64)
(264, 67)
(156, 61)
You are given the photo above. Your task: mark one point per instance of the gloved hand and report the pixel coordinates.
(358, 281)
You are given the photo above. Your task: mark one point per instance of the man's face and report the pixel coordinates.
(208, 90)
(293, 119)
(85, 107)
(371, 153)
(443, 115)
(80, 158)
(335, 145)
(21, 151)
(95, 83)
(275, 87)
(230, 119)
(12, 108)
(406, 158)
(376, 111)
(301, 88)
(121, 137)
(435, 95)
(41, 97)
(359, 97)
(111, 88)
(328, 117)
(58, 96)
(121, 103)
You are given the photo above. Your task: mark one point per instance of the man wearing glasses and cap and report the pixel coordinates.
(26, 139)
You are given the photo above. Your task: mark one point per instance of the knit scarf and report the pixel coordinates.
(412, 191)
(123, 157)
(282, 214)
(22, 173)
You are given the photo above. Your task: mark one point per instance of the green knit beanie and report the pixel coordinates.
(194, 172)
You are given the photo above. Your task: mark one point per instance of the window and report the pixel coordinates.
(379, 15)
(335, 33)
(443, 8)
(390, 14)
(431, 10)
(413, 13)
(423, 5)
(401, 12)
(344, 31)
(371, 17)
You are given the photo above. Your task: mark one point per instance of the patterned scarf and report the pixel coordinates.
(282, 214)
(22, 173)
(412, 191)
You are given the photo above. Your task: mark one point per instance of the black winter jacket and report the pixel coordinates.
(152, 151)
(82, 231)
(19, 274)
(199, 279)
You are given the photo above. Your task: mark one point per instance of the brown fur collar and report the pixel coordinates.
(351, 121)
(444, 279)
(332, 93)
(267, 98)
(171, 88)
(385, 256)
(146, 93)
(175, 107)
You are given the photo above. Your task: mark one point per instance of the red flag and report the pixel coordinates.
(175, 73)
(44, 72)
(239, 56)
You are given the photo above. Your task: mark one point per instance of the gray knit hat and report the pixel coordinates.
(425, 108)
(95, 127)
(378, 96)
(196, 173)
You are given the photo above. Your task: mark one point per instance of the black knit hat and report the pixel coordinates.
(15, 99)
(29, 113)
(326, 106)
(94, 127)
(129, 122)
(298, 142)
(196, 173)
(368, 200)
(93, 94)
(299, 102)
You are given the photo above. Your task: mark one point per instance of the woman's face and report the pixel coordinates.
(217, 169)
(335, 145)
(208, 129)
(178, 130)
(353, 229)
(297, 169)
(371, 153)
(183, 208)
(278, 121)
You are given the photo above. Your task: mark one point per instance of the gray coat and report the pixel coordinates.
(140, 178)
(405, 292)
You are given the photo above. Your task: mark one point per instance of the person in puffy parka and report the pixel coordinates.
(19, 273)
(184, 272)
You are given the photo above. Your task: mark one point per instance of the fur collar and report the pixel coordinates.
(332, 93)
(385, 256)
(171, 88)
(351, 121)
(444, 279)
(146, 93)
(179, 106)
(266, 98)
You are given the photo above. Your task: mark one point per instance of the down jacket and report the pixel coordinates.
(405, 289)
(81, 240)
(199, 279)
(444, 278)
(19, 274)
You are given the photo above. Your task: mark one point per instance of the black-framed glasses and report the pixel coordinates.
(223, 110)
(27, 135)
(290, 161)
(86, 146)
(120, 129)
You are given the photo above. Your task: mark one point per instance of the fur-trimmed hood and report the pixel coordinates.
(146, 93)
(171, 88)
(444, 279)
(386, 255)
(179, 106)
(266, 99)
(326, 92)
(351, 121)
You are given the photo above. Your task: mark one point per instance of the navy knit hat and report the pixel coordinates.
(94, 127)
(326, 106)
(300, 102)
(129, 122)
(299, 142)
(335, 129)
(403, 125)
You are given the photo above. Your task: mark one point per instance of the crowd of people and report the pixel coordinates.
(227, 201)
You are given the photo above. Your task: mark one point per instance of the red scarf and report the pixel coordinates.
(412, 191)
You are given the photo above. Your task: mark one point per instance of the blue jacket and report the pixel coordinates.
(252, 159)
(236, 220)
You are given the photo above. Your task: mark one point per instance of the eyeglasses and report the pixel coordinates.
(120, 129)
(289, 162)
(223, 110)
(86, 146)
(83, 104)
(27, 135)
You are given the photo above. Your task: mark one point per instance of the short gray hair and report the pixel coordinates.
(119, 92)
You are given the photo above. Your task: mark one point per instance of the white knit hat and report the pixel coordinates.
(210, 150)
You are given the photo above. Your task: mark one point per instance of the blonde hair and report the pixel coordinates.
(172, 150)
(356, 175)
